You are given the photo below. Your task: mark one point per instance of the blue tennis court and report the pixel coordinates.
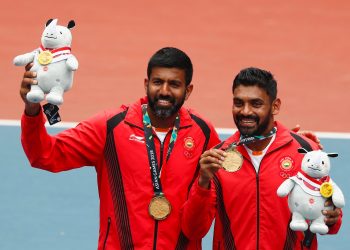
(40, 210)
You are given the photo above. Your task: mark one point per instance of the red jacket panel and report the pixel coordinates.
(248, 213)
(113, 142)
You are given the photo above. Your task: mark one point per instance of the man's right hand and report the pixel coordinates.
(210, 162)
(28, 80)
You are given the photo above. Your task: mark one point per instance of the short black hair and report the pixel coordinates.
(257, 77)
(170, 57)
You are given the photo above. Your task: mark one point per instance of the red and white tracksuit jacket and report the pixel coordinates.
(113, 142)
(248, 213)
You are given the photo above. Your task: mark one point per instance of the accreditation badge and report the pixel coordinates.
(233, 160)
(326, 189)
(159, 208)
(45, 57)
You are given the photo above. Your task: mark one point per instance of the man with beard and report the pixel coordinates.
(145, 155)
(238, 179)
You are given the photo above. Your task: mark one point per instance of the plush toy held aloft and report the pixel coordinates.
(53, 62)
(308, 190)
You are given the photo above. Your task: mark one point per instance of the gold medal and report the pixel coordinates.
(159, 207)
(326, 189)
(233, 160)
(45, 57)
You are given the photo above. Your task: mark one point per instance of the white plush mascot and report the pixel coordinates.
(308, 191)
(53, 62)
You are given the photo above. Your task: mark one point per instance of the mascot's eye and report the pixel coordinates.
(322, 162)
(61, 32)
(308, 160)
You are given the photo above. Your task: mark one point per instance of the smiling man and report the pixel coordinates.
(238, 179)
(145, 154)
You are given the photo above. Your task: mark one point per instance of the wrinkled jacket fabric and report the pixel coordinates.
(113, 142)
(248, 213)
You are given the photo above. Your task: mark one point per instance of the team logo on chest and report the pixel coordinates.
(286, 166)
(189, 146)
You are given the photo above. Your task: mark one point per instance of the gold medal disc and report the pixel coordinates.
(45, 57)
(233, 161)
(159, 207)
(326, 189)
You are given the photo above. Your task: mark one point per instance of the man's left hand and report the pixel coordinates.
(331, 216)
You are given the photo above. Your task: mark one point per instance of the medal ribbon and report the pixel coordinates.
(313, 186)
(249, 139)
(319, 182)
(151, 150)
(54, 51)
(57, 54)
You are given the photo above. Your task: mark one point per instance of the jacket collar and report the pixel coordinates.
(134, 114)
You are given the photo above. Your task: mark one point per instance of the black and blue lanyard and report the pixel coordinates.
(244, 140)
(151, 150)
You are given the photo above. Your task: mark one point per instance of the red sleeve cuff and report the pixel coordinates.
(32, 121)
(200, 191)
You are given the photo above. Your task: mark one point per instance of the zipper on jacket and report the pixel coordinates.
(258, 197)
(160, 167)
(161, 153)
(108, 226)
(257, 202)
(257, 210)
(155, 235)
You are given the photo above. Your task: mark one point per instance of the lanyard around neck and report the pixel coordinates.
(244, 140)
(151, 150)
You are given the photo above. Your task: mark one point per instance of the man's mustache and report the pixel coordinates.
(251, 117)
(165, 98)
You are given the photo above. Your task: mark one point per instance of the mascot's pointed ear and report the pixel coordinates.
(71, 24)
(302, 150)
(332, 154)
(48, 22)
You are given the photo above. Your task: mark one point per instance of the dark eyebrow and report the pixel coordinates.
(176, 81)
(251, 100)
(156, 78)
(257, 100)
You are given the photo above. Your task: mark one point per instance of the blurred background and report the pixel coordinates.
(303, 43)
